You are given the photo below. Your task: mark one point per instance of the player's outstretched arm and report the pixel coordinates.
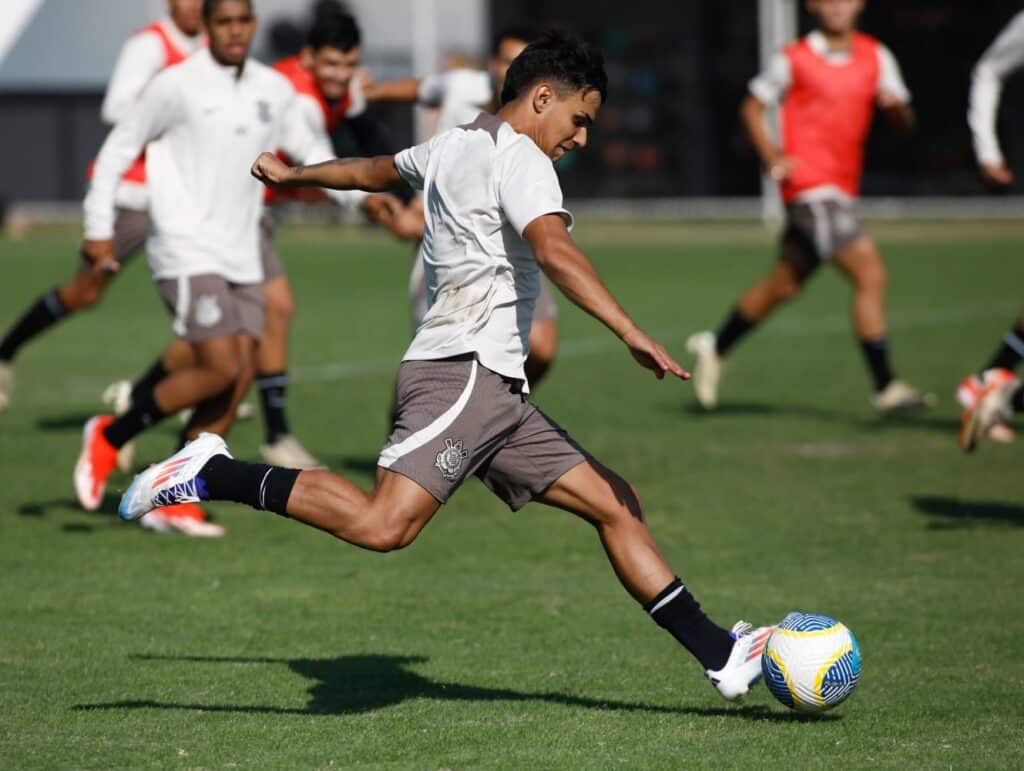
(570, 269)
(394, 91)
(775, 162)
(375, 175)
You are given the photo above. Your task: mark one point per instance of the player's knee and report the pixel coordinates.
(387, 537)
(785, 287)
(544, 343)
(873, 279)
(227, 369)
(280, 310)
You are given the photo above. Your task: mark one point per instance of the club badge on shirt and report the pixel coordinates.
(449, 460)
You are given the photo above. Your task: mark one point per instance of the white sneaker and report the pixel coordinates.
(992, 408)
(118, 397)
(288, 453)
(743, 668)
(6, 385)
(172, 481)
(707, 368)
(901, 397)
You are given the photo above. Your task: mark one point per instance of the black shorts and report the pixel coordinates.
(816, 231)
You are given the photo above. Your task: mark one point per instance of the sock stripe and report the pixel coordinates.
(1014, 342)
(263, 490)
(54, 305)
(666, 600)
(274, 381)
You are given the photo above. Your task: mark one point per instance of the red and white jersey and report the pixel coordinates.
(149, 51)
(1003, 58)
(828, 101)
(322, 118)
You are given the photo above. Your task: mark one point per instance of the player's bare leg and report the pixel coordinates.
(783, 283)
(862, 264)
(543, 349)
(216, 414)
(280, 448)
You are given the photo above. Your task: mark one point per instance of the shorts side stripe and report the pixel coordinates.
(822, 236)
(413, 442)
(181, 307)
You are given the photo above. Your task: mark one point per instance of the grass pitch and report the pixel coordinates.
(504, 641)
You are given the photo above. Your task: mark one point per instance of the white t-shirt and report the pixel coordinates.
(1003, 57)
(202, 126)
(460, 95)
(483, 183)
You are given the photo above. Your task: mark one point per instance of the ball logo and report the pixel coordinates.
(449, 460)
(208, 312)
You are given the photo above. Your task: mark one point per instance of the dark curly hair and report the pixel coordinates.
(209, 6)
(571, 64)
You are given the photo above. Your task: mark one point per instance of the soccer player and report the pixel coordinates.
(1004, 57)
(151, 50)
(460, 95)
(494, 220)
(199, 122)
(1000, 399)
(828, 85)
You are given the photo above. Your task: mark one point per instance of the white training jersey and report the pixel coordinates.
(1003, 57)
(142, 57)
(483, 184)
(202, 125)
(460, 95)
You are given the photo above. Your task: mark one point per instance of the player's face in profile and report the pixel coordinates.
(836, 16)
(566, 121)
(230, 28)
(508, 49)
(332, 69)
(187, 15)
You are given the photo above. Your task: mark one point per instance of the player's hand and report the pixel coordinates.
(996, 174)
(271, 170)
(888, 100)
(781, 168)
(101, 255)
(653, 356)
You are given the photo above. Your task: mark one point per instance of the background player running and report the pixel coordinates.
(459, 95)
(494, 214)
(828, 85)
(154, 48)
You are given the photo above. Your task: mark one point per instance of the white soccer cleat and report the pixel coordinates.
(743, 668)
(118, 397)
(707, 368)
(900, 397)
(6, 385)
(172, 481)
(287, 452)
(992, 408)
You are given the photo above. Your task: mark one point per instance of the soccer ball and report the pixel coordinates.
(811, 662)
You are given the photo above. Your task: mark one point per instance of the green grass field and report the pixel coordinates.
(504, 641)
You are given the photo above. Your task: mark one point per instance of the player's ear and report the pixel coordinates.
(543, 97)
(306, 57)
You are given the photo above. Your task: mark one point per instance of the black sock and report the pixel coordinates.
(143, 414)
(676, 611)
(1017, 399)
(44, 313)
(263, 487)
(1009, 354)
(876, 352)
(732, 331)
(273, 396)
(149, 380)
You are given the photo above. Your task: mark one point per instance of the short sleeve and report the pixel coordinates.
(771, 85)
(528, 187)
(889, 76)
(412, 164)
(432, 90)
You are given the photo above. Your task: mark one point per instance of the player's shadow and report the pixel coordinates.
(42, 508)
(352, 685)
(954, 513)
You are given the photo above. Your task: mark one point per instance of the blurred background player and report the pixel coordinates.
(199, 122)
(459, 95)
(828, 85)
(1004, 57)
(1000, 399)
(326, 96)
(149, 51)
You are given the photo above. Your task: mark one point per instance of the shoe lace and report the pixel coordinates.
(741, 628)
(188, 491)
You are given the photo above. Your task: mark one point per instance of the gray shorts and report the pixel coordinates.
(817, 231)
(455, 418)
(131, 230)
(209, 306)
(272, 266)
(545, 309)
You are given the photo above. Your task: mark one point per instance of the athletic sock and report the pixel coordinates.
(273, 397)
(1017, 399)
(263, 487)
(675, 610)
(149, 380)
(1010, 352)
(876, 353)
(44, 313)
(732, 331)
(143, 414)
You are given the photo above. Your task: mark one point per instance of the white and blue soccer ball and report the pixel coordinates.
(811, 662)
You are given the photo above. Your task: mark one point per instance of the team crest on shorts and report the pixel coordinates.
(449, 460)
(208, 312)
